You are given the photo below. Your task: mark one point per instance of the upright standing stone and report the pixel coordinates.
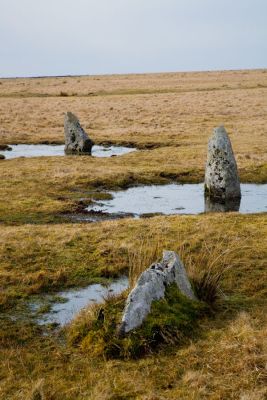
(221, 177)
(151, 286)
(76, 139)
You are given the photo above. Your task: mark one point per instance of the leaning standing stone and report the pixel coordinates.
(151, 286)
(76, 139)
(221, 177)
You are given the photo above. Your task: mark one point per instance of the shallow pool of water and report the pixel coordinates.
(41, 150)
(62, 313)
(179, 199)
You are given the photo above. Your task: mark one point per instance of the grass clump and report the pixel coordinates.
(208, 268)
(170, 322)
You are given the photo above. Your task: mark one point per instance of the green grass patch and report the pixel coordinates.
(171, 321)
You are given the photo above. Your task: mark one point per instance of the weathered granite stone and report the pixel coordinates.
(221, 177)
(76, 139)
(151, 286)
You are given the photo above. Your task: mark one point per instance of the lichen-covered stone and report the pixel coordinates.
(221, 177)
(76, 139)
(151, 286)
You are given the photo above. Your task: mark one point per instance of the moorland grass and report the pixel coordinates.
(174, 126)
(38, 258)
(154, 110)
(172, 115)
(39, 190)
(195, 367)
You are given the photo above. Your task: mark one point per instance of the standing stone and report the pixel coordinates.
(151, 286)
(76, 139)
(221, 177)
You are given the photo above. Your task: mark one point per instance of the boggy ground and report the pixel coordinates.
(172, 113)
(38, 190)
(224, 359)
(169, 117)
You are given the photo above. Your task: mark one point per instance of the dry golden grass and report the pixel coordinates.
(37, 190)
(175, 112)
(32, 189)
(42, 258)
(110, 84)
(161, 109)
(227, 361)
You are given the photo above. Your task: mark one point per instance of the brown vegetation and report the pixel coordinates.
(143, 110)
(170, 117)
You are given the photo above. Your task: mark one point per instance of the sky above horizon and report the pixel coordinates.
(82, 37)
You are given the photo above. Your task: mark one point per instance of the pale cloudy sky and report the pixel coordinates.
(61, 37)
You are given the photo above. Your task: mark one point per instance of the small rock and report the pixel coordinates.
(76, 139)
(221, 177)
(5, 147)
(151, 286)
(2, 157)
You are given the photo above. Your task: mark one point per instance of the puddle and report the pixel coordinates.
(74, 301)
(177, 199)
(41, 150)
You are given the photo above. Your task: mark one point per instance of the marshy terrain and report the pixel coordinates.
(48, 248)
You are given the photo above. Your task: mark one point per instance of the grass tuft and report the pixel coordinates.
(37, 391)
(208, 268)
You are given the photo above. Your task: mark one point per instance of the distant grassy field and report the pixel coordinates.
(143, 110)
(172, 113)
(169, 118)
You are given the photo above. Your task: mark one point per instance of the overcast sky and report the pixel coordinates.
(72, 37)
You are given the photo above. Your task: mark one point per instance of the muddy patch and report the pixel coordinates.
(46, 150)
(95, 216)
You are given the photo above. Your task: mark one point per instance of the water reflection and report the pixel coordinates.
(62, 313)
(226, 206)
(49, 150)
(178, 199)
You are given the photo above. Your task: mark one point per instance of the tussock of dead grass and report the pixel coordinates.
(37, 392)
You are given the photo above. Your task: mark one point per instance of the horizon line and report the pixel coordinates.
(132, 73)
